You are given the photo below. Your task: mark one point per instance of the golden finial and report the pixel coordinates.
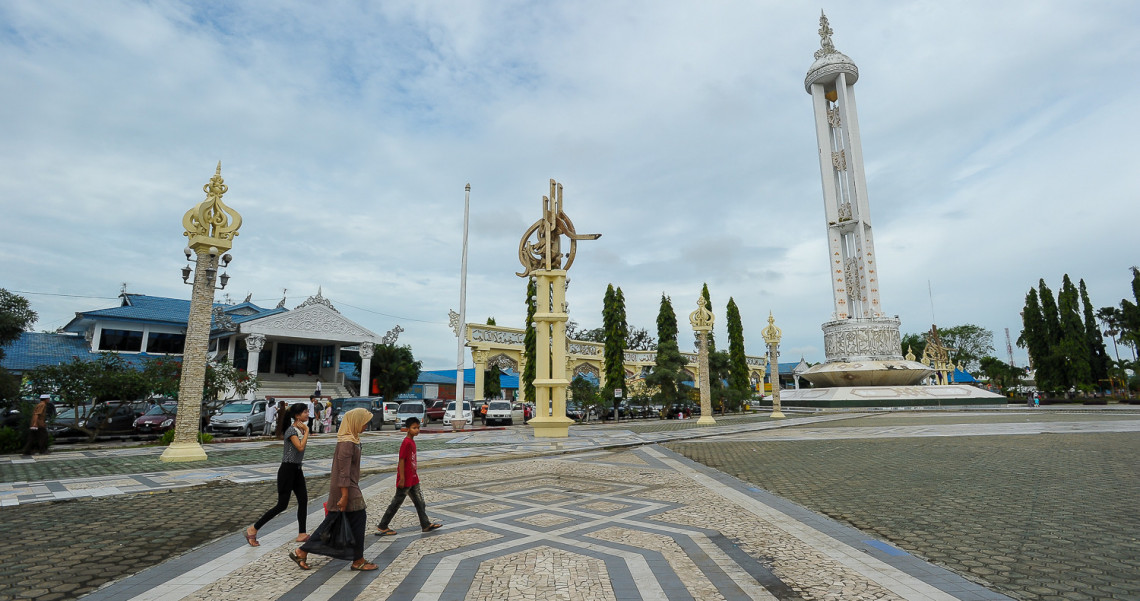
(702, 318)
(211, 222)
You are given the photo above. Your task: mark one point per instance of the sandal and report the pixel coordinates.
(251, 538)
(385, 532)
(433, 527)
(301, 563)
(364, 567)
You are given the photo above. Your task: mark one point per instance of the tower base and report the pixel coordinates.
(183, 451)
(551, 427)
(890, 396)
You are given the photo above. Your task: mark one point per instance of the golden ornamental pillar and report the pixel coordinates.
(771, 336)
(211, 227)
(479, 358)
(702, 321)
(540, 253)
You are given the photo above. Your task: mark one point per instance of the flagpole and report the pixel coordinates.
(461, 331)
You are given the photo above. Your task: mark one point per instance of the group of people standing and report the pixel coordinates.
(319, 421)
(345, 501)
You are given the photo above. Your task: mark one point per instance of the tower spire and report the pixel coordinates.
(826, 46)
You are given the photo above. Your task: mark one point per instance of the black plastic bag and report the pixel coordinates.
(333, 538)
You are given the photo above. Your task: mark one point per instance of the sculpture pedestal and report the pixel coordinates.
(551, 427)
(183, 451)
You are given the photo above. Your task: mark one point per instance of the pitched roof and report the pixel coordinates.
(142, 308)
(33, 349)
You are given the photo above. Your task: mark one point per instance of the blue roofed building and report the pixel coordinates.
(288, 349)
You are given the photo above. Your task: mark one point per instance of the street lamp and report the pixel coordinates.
(702, 320)
(771, 336)
(210, 227)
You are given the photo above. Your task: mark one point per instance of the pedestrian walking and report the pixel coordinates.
(326, 416)
(318, 391)
(317, 423)
(270, 418)
(407, 484)
(312, 409)
(282, 420)
(345, 498)
(37, 429)
(290, 478)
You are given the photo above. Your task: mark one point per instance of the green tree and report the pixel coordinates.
(710, 337)
(639, 339)
(1001, 373)
(737, 360)
(491, 321)
(1035, 339)
(529, 342)
(915, 343)
(668, 371)
(1129, 316)
(1098, 354)
(16, 317)
(492, 388)
(972, 343)
(613, 322)
(583, 392)
(1051, 363)
(395, 370)
(1074, 344)
(574, 332)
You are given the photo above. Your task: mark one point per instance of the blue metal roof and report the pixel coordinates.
(507, 379)
(141, 308)
(33, 349)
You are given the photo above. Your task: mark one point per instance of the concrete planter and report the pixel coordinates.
(457, 424)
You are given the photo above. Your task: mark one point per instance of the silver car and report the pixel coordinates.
(416, 409)
(239, 417)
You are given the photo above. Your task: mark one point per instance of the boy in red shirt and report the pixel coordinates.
(407, 483)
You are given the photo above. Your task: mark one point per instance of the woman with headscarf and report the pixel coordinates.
(290, 478)
(344, 497)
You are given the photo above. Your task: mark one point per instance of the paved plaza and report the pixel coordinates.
(621, 512)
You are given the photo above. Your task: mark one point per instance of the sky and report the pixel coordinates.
(996, 136)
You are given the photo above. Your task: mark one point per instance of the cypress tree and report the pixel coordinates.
(1098, 354)
(613, 323)
(738, 365)
(529, 341)
(667, 371)
(1052, 364)
(1074, 347)
(1033, 337)
(709, 337)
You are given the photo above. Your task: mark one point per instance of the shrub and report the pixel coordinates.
(11, 440)
(168, 437)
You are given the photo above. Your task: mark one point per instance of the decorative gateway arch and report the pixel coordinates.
(502, 346)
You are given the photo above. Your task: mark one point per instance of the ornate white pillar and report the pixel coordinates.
(702, 321)
(253, 343)
(480, 360)
(367, 349)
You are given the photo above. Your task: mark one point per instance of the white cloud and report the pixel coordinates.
(995, 134)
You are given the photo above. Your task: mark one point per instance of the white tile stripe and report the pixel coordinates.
(902, 584)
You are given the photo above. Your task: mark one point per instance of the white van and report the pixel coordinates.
(451, 413)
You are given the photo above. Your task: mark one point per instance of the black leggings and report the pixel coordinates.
(290, 480)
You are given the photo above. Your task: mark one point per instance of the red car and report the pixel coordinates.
(157, 419)
(435, 410)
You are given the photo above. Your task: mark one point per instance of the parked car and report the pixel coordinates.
(239, 417)
(451, 413)
(575, 412)
(390, 410)
(499, 412)
(372, 404)
(66, 423)
(407, 409)
(157, 419)
(435, 410)
(114, 417)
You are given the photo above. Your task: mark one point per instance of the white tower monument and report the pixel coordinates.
(862, 344)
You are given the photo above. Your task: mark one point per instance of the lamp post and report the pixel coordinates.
(211, 227)
(771, 336)
(702, 321)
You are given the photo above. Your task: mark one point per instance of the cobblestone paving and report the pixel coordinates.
(65, 550)
(976, 417)
(1043, 517)
(85, 467)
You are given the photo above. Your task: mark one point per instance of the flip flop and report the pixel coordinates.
(433, 527)
(301, 563)
(385, 532)
(364, 567)
(251, 538)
